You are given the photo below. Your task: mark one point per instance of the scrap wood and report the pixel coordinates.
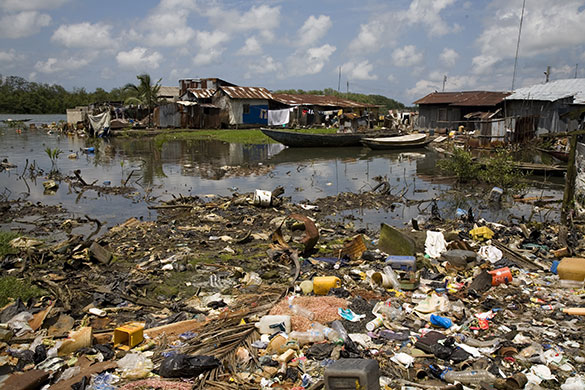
(538, 199)
(515, 256)
(39, 318)
(174, 329)
(30, 380)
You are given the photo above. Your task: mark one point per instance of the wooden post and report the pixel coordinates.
(568, 196)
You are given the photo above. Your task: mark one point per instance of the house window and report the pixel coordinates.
(246, 108)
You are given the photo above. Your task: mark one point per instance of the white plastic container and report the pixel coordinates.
(262, 198)
(264, 325)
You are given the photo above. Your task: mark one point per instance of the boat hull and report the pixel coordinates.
(306, 140)
(405, 142)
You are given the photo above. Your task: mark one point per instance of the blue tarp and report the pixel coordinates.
(256, 115)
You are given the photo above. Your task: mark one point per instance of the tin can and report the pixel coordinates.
(501, 275)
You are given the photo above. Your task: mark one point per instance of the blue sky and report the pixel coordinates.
(401, 49)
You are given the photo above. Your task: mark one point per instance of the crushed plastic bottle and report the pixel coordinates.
(338, 326)
(312, 336)
(299, 310)
(392, 277)
(330, 334)
(469, 376)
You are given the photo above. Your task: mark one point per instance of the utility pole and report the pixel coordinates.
(347, 86)
(444, 82)
(576, 67)
(547, 74)
(518, 45)
(339, 80)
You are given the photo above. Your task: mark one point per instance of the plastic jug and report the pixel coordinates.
(322, 284)
(269, 324)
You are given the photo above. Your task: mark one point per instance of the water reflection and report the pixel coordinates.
(201, 167)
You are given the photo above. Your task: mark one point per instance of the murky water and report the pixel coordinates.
(212, 167)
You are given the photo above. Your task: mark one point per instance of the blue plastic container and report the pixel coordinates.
(402, 263)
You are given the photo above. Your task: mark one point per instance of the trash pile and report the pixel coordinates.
(254, 292)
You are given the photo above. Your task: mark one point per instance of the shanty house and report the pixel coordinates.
(211, 83)
(307, 110)
(546, 108)
(242, 105)
(449, 110)
(170, 94)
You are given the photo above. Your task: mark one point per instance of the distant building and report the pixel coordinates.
(242, 105)
(449, 110)
(170, 94)
(546, 108)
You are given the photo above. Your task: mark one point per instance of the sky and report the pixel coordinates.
(402, 49)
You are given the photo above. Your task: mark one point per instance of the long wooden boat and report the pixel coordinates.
(409, 141)
(563, 156)
(306, 140)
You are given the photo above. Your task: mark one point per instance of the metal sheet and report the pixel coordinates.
(552, 91)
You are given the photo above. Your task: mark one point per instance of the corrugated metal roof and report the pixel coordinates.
(168, 91)
(317, 100)
(464, 98)
(247, 93)
(201, 93)
(552, 91)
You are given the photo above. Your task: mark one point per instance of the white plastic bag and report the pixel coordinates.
(135, 366)
(435, 244)
(19, 323)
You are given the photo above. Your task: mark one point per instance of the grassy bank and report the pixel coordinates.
(248, 136)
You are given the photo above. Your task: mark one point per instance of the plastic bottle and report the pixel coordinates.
(469, 376)
(299, 310)
(441, 321)
(338, 326)
(331, 334)
(392, 276)
(311, 336)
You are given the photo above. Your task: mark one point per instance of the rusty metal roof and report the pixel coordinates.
(259, 93)
(464, 98)
(317, 100)
(168, 91)
(201, 93)
(552, 91)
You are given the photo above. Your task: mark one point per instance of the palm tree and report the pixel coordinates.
(145, 93)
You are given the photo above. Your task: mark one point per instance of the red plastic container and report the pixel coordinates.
(501, 275)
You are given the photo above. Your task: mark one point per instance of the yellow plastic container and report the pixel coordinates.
(483, 232)
(129, 335)
(322, 284)
(572, 268)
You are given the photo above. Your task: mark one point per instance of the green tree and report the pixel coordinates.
(145, 93)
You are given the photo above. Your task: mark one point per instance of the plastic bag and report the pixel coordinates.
(435, 244)
(135, 366)
(178, 366)
(19, 323)
(491, 253)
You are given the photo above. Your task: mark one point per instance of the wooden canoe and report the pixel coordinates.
(307, 140)
(409, 141)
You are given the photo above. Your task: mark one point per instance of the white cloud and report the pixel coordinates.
(546, 29)
(84, 35)
(139, 58)
(23, 24)
(259, 18)
(31, 5)
(210, 46)
(8, 56)
(369, 37)
(407, 56)
(310, 61)
(167, 24)
(359, 71)
(391, 78)
(266, 64)
(251, 47)
(55, 65)
(313, 29)
(435, 83)
(427, 13)
(448, 57)
(385, 27)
